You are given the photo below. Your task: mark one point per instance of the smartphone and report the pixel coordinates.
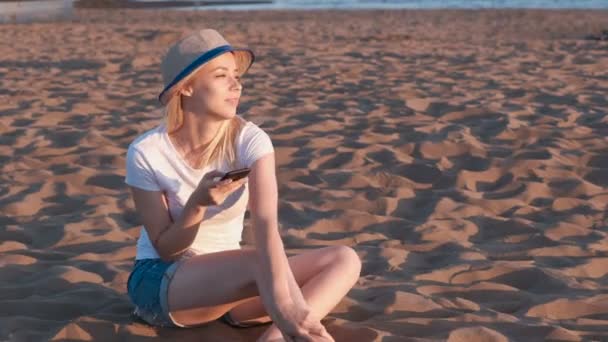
(236, 174)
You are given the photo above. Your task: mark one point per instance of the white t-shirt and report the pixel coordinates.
(154, 164)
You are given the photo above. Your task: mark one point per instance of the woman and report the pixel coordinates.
(189, 268)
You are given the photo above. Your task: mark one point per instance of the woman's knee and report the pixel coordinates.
(348, 259)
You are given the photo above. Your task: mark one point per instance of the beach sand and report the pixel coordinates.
(462, 154)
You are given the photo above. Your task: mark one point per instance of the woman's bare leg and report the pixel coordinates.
(322, 292)
(206, 286)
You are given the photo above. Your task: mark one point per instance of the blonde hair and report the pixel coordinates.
(223, 145)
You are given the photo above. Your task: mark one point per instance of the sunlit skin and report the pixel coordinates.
(207, 286)
(209, 98)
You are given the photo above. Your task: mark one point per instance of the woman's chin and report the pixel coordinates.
(226, 115)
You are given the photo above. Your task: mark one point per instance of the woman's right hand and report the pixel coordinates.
(297, 324)
(213, 192)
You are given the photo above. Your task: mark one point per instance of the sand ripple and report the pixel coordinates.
(462, 154)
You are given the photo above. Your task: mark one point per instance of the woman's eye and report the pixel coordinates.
(220, 76)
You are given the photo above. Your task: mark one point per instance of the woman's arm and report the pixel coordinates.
(279, 291)
(294, 289)
(277, 286)
(171, 239)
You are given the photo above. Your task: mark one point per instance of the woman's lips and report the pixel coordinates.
(233, 101)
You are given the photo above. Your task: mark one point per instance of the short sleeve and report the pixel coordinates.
(256, 144)
(139, 171)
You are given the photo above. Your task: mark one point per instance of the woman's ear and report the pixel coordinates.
(186, 91)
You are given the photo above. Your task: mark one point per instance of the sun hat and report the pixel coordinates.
(190, 53)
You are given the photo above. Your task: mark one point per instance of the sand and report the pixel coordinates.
(463, 155)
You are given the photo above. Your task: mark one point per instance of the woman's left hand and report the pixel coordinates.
(316, 330)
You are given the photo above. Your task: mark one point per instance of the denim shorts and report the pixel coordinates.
(148, 286)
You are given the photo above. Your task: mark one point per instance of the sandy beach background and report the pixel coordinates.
(463, 154)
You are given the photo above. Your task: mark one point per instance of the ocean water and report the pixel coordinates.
(37, 10)
(417, 4)
(27, 11)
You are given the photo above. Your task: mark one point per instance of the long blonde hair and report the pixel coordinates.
(223, 145)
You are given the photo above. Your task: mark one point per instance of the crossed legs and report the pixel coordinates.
(207, 286)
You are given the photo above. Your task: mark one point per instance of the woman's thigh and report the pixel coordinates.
(206, 286)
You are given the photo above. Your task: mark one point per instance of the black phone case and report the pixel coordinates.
(236, 174)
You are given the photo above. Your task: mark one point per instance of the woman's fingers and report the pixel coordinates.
(326, 334)
(327, 337)
(313, 326)
(317, 329)
(301, 334)
(236, 184)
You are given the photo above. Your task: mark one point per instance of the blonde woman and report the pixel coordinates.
(190, 268)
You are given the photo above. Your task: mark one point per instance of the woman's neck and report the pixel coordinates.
(198, 130)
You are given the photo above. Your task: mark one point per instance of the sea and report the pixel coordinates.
(416, 4)
(26, 11)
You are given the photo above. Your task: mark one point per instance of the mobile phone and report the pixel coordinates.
(236, 174)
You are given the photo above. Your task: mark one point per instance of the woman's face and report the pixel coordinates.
(216, 88)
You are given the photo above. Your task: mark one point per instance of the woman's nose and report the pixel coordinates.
(235, 83)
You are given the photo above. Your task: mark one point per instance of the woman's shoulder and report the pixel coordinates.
(249, 131)
(254, 142)
(147, 140)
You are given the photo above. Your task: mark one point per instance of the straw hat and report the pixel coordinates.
(189, 54)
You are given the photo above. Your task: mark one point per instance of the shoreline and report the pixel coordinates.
(452, 24)
(192, 3)
(228, 3)
(126, 4)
